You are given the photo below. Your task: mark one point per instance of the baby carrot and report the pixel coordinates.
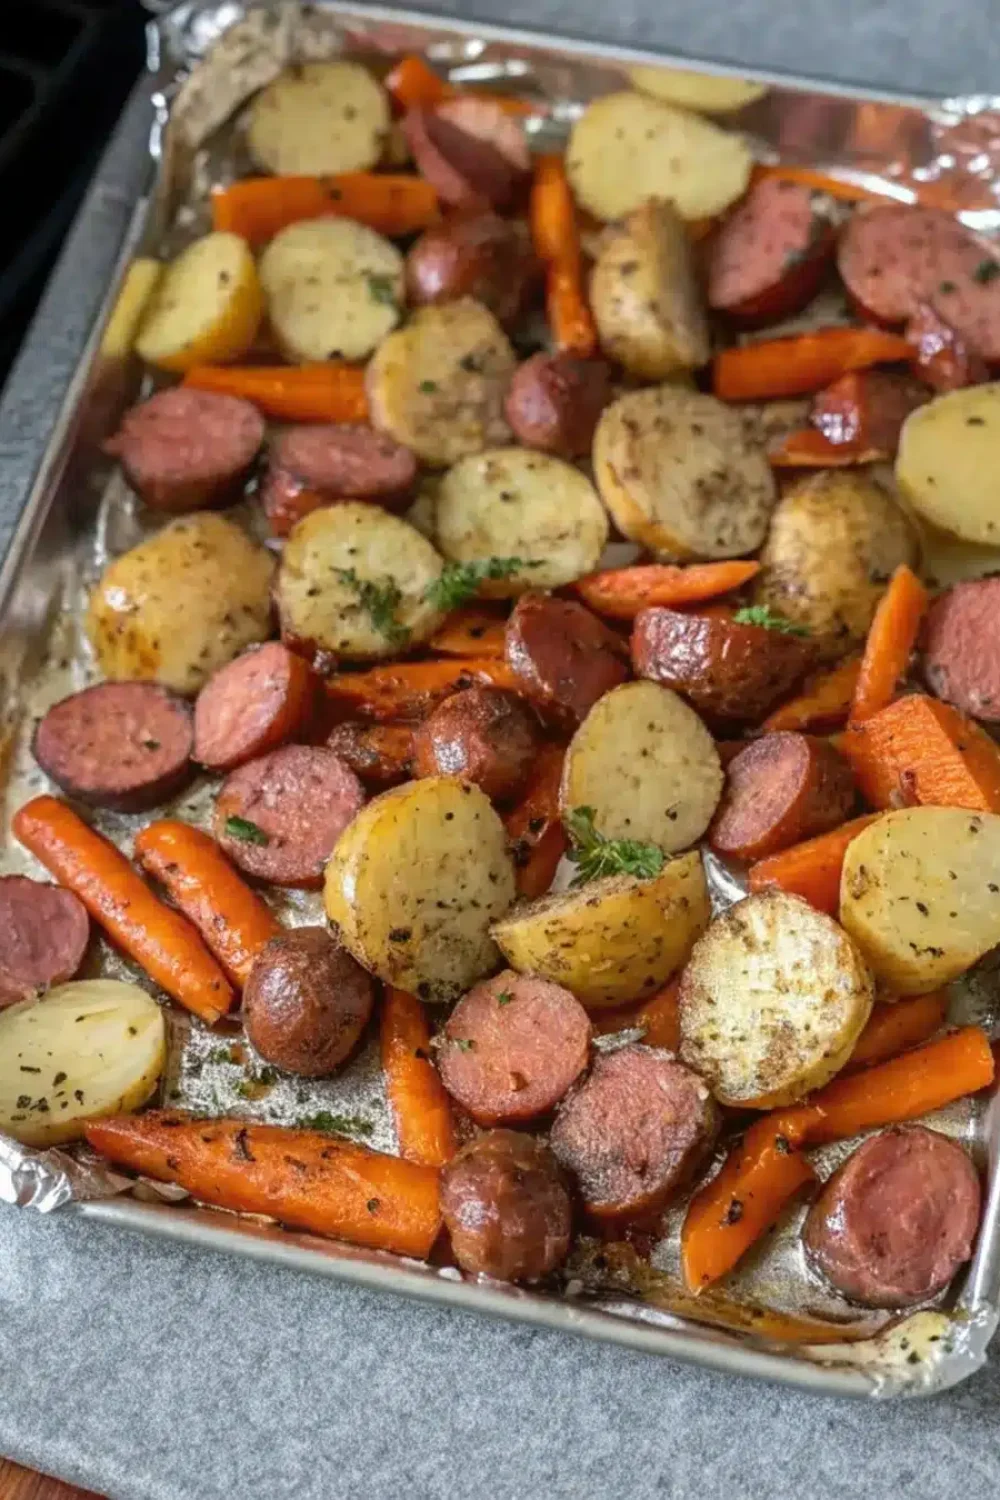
(534, 828)
(410, 689)
(258, 207)
(332, 392)
(556, 236)
(804, 362)
(897, 1025)
(918, 752)
(421, 1108)
(891, 638)
(621, 593)
(811, 869)
(470, 632)
(823, 704)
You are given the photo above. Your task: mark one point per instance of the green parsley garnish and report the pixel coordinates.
(768, 619)
(382, 289)
(221, 1055)
(335, 1124)
(594, 855)
(380, 601)
(987, 270)
(463, 1043)
(428, 387)
(505, 998)
(946, 286)
(460, 581)
(247, 832)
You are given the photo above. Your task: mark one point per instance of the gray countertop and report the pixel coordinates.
(141, 1369)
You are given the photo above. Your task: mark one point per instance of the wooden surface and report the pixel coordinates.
(24, 1484)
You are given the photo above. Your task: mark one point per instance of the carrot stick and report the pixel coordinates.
(922, 753)
(658, 1017)
(159, 939)
(802, 363)
(413, 84)
(233, 921)
(410, 689)
(823, 704)
(811, 869)
(470, 632)
(891, 638)
(556, 236)
(823, 182)
(302, 1178)
(534, 828)
(421, 1108)
(620, 593)
(896, 1026)
(393, 204)
(807, 448)
(333, 392)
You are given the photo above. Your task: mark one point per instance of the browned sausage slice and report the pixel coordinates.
(781, 789)
(895, 1222)
(962, 648)
(121, 745)
(345, 460)
(512, 1046)
(279, 817)
(636, 1130)
(768, 259)
(555, 400)
(184, 449)
(483, 735)
(380, 753)
(943, 360)
(253, 704)
(867, 408)
(475, 255)
(306, 1002)
(565, 657)
(506, 1207)
(464, 163)
(45, 932)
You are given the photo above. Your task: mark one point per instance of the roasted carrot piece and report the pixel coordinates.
(556, 236)
(802, 363)
(891, 638)
(823, 182)
(470, 632)
(258, 207)
(811, 869)
(659, 1018)
(410, 689)
(807, 448)
(620, 593)
(922, 753)
(823, 704)
(233, 920)
(534, 827)
(159, 939)
(331, 392)
(422, 1110)
(302, 1178)
(896, 1026)
(413, 84)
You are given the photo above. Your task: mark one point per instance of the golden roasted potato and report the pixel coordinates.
(947, 461)
(141, 280)
(708, 93)
(206, 307)
(319, 118)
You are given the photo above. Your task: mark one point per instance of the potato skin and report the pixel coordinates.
(205, 308)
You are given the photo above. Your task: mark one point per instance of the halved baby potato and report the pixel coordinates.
(947, 459)
(206, 307)
(709, 93)
(772, 1001)
(140, 282)
(319, 118)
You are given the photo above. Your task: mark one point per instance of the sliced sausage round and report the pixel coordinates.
(962, 648)
(379, 753)
(554, 403)
(780, 790)
(635, 1131)
(733, 673)
(306, 1002)
(121, 745)
(867, 407)
(894, 1223)
(475, 255)
(894, 258)
(564, 656)
(279, 817)
(464, 167)
(769, 257)
(943, 360)
(184, 449)
(320, 463)
(481, 734)
(506, 1207)
(45, 935)
(511, 1048)
(252, 705)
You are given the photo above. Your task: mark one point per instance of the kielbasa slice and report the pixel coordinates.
(121, 745)
(252, 705)
(306, 1002)
(185, 449)
(635, 1131)
(512, 1046)
(379, 753)
(894, 1223)
(867, 408)
(475, 255)
(279, 817)
(962, 648)
(468, 156)
(45, 935)
(483, 735)
(769, 257)
(943, 360)
(565, 657)
(554, 403)
(320, 463)
(780, 790)
(506, 1207)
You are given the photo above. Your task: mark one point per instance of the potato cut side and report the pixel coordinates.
(615, 939)
(772, 1001)
(628, 147)
(334, 289)
(206, 307)
(319, 118)
(947, 460)
(920, 895)
(416, 882)
(181, 604)
(438, 385)
(352, 583)
(646, 765)
(93, 1047)
(516, 503)
(709, 93)
(679, 475)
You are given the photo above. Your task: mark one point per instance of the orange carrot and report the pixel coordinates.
(811, 869)
(413, 84)
(621, 593)
(233, 920)
(823, 182)
(891, 638)
(566, 308)
(556, 235)
(823, 704)
(804, 362)
(333, 392)
(922, 753)
(410, 689)
(896, 1026)
(659, 1018)
(256, 208)
(534, 827)
(421, 1108)
(159, 939)
(302, 1178)
(807, 448)
(475, 631)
